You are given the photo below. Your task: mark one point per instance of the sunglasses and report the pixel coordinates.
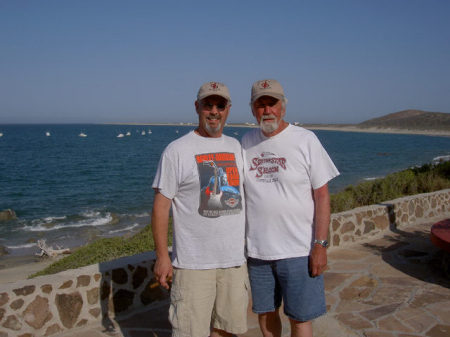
(209, 106)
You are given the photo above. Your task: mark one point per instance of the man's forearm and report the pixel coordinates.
(160, 224)
(322, 213)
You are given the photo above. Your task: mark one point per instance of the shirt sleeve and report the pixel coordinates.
(322, 168)
(166, 178)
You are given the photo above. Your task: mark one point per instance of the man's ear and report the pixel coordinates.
(196, 106)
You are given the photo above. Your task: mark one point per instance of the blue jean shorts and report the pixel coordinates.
(289, 280)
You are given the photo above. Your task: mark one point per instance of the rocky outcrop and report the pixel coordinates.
(7, 214)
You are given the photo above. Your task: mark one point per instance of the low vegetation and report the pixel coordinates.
(424, 179)
(427, 178)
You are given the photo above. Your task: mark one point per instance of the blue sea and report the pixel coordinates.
(69, 189)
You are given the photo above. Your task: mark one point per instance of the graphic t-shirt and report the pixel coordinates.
(280, 175)
(203, 177)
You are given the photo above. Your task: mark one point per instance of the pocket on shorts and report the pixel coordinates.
(176, 311)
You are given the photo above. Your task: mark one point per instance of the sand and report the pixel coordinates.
(16, 268)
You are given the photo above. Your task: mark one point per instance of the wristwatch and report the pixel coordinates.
(323, 243)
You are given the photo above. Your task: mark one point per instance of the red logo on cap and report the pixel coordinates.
(214, 86)
(265, 85)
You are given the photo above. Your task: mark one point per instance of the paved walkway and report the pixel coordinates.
(389, 286)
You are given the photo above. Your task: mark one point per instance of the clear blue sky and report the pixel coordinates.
(340, 61)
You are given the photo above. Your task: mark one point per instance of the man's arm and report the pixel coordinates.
(160, 225)
(318, 257)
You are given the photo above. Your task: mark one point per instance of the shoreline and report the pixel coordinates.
(325, 127)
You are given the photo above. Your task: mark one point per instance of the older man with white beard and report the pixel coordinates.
(286, 172)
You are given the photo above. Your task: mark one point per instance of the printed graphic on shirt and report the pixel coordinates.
(267, 167)
(219, 180)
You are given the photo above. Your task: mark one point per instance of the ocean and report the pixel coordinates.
(69, 189)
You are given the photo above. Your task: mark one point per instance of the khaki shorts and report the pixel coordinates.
(201, 299)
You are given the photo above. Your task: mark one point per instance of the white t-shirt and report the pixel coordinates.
(203, 177)
(280, 174)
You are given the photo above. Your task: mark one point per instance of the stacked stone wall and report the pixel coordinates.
(365, 222)
(48, 305)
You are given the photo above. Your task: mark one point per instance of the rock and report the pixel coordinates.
(37, 313)
(69, 308)
(7, 215)
(3, 250)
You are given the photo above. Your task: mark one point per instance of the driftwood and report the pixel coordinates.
(50, 251)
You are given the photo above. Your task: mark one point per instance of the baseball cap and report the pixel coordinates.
(267, 88)
(213, 88)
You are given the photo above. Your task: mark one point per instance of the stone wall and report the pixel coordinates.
(47, 305)
(364, 222)
(50, 304)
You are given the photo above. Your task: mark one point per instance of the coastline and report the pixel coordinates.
(326, 127)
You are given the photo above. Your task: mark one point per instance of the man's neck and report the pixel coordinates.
(202, 132)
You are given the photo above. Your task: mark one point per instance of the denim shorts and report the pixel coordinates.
(289, 280)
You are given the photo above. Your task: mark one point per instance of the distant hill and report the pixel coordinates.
(411, 120)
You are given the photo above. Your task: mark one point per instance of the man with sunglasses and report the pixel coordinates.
(288, 213)
(200, 177)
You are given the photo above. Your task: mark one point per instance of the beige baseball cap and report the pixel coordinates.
(267, 88)
(213, 88)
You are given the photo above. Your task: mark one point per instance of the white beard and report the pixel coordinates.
(212, 130)
(270, 126)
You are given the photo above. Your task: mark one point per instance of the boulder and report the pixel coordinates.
(7, 214)
(3, 250)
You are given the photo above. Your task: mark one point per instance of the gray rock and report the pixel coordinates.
(7, 214)
(3, 250)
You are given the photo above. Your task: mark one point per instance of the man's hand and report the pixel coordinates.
(317, 260)
(163, 271)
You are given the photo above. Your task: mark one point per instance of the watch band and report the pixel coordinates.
(323, 243)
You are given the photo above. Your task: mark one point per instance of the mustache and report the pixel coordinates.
(264, 117)
(213, 117)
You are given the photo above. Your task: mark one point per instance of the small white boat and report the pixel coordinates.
(1, 134)
(149, 131)
(47, 134)
(143, 133)
(82, 134)
(176, 131)
(120, 135)
(128, 133)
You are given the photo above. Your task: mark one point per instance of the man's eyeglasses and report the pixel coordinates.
(209, 106)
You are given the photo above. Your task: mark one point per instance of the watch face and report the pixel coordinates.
(323, 243)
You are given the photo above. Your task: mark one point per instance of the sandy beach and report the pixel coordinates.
(16, 268)
(355, 128)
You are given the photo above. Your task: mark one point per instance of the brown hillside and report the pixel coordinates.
(412, 120)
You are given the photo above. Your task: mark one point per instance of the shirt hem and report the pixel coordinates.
(210, 266)
(277, 257)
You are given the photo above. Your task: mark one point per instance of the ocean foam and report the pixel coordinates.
(26, 245)
(98, 220)
(129, 228)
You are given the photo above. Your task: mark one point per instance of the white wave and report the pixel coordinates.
(83, 223)
(440, 159)
(53, 218)
(142, 215)
(372, 178)
(26, 245)
(129, 228)
(90, 214)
